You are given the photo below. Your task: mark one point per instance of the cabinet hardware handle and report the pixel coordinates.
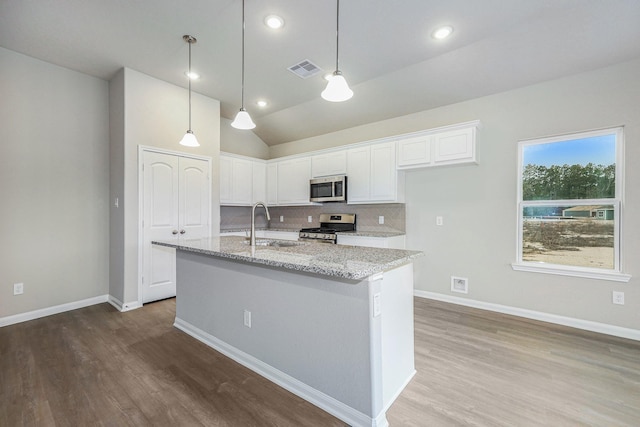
(174, 232)
(182, 231)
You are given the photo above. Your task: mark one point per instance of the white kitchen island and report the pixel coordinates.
(331, 323)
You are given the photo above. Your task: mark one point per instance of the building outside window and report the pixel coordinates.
(570, 204)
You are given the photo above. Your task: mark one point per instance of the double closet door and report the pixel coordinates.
(176, 204)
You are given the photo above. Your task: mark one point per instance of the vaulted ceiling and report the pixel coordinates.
(387, 53)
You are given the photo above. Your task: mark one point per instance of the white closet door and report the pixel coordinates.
(176, 205)
(194, 198)
(161, 210)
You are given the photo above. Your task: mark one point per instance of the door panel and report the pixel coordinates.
(160, 213)
(194, 198)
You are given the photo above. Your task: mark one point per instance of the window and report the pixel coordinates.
(570, 204)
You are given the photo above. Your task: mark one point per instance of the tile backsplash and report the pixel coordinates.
(296, 217)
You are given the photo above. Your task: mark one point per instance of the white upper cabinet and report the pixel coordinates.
(259, 182)
(293, 181)
(272, 183)
(225, 179)
(242, 180)
(371, 174)
(414, 151)
(384, 176)
(327, 164)
(358, 174)
(448, 145)
(456, 146)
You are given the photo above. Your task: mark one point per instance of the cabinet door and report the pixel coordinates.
(333, 163)
(383, 172)
(272, 184)
(358, 174)
(395, 242)
(259, 182)
(293, 181)
(414, 152)
(456, 146)
(242, 182)
(225, 179)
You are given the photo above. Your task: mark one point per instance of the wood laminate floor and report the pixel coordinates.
(97, 366)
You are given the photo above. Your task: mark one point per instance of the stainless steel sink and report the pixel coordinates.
(276, 243)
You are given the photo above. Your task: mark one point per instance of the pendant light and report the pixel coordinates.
(243, 120)
(189, 139)
(337, 89)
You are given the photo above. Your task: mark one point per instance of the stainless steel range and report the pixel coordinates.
(330, 224)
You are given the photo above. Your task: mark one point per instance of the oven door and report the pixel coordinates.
(321, 191)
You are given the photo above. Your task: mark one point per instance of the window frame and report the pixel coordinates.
(614, 274)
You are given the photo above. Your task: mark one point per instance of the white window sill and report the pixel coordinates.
(569, 271)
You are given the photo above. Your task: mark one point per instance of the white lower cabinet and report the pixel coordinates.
(393, 242)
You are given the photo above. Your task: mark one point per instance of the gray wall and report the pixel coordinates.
(54, 184)
(478, 202)
(156, 115)
(243, 142)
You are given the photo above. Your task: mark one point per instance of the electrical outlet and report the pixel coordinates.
(281, 218)
(617, 297)
(247, 318)
(116, 203)
(459, 284)
(18, 288)
(310, 218)
(439, 220)
(381, 219)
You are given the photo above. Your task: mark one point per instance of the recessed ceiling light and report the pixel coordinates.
(192, 75)
(262, 103)
(274, 22)
(442, 32)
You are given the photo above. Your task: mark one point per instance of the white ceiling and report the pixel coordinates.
(386, 52)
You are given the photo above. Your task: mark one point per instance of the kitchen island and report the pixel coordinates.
(331, 323)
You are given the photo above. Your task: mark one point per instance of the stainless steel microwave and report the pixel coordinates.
(328, 189)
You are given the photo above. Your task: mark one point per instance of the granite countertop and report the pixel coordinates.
(343, 261)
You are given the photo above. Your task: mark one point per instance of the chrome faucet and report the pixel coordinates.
(252, 236)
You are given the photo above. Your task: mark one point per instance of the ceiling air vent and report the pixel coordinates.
(305, 69)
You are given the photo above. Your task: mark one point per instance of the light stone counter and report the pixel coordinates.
(347, 262)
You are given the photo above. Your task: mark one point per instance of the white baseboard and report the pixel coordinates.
(48, 311)
(334, 407)
(120, 306)
(587, 325)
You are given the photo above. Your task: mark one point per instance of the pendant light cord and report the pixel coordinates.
(337, 31)
(242, 91)
(190, 42)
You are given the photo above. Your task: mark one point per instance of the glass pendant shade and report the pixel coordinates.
(337, 89)
(189, 140)
(243, 120)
